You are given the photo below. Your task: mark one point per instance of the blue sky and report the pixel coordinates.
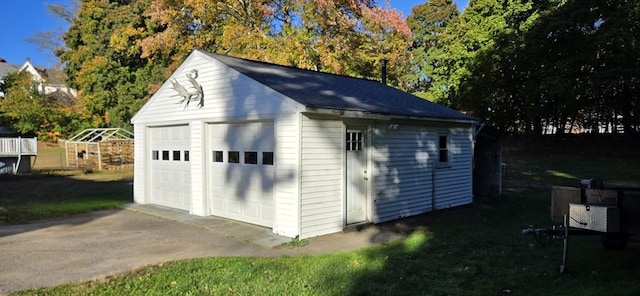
(22, 18)
(19, 20)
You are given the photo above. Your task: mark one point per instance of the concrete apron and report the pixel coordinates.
(99, 244)
(258, 235)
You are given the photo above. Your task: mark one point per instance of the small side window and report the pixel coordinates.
(234, 157)
(176, 154)
(354, 141)
(165, 154)
(443, 149)
(267, 158)
(155, 154)
(186, 155)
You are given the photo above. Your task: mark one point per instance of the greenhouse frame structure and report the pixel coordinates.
(101, 148)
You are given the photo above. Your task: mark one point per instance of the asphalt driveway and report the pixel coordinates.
(104, 243)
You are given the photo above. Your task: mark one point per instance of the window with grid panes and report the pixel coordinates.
(354, 141)
(443, 149)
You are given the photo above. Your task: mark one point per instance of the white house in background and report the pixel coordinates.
(301, 152)
(48, 81)
(16, 152)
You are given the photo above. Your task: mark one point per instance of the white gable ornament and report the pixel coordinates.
(187, 97)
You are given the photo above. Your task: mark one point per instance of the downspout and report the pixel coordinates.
(433, 187)
(476, 131)
(299, 227)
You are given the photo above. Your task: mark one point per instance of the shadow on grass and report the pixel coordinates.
(49, 194)
(479, 250)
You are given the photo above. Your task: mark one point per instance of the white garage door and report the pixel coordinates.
(170, 169)
(241, 174)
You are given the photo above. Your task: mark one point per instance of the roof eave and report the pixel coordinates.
(378, 116)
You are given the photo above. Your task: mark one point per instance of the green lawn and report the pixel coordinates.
(52, 191)
(558, 169)
(472, 250)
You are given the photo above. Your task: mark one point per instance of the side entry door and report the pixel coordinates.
(356, 175)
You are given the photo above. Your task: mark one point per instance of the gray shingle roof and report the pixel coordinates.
(328, 91)
(6, 69)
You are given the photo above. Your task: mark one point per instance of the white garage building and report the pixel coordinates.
(301, 152)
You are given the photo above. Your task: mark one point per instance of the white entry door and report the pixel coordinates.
(241, 171)
(356, 176)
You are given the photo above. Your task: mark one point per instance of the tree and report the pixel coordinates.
(118, 52)
(116, 49)
(616, 67)
(338, 36)
(537, 66)
(22, 107)
(490, 80)
(28, 112)
(103, 59)
(428, 22)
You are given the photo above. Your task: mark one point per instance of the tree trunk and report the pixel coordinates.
(626, 116)
(537, 126)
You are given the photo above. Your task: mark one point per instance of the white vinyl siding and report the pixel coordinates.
(404, 160)
(142, 156)
(454, 184)
(228, 95)
(402, 163)
(287, 177)
(197, 160)
(321, 177)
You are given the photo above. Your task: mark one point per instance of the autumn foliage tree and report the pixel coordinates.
(344, 37)
(103, 60)
(118, 52)
(28, 112)
(524, 66)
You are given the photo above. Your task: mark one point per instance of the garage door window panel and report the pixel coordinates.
(267, 158)
(176, 155)
(155, 155)
(251, 157)
(165, 154)
(218, 156)
(234, 156)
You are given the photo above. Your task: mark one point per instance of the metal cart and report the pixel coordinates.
(613, 212)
